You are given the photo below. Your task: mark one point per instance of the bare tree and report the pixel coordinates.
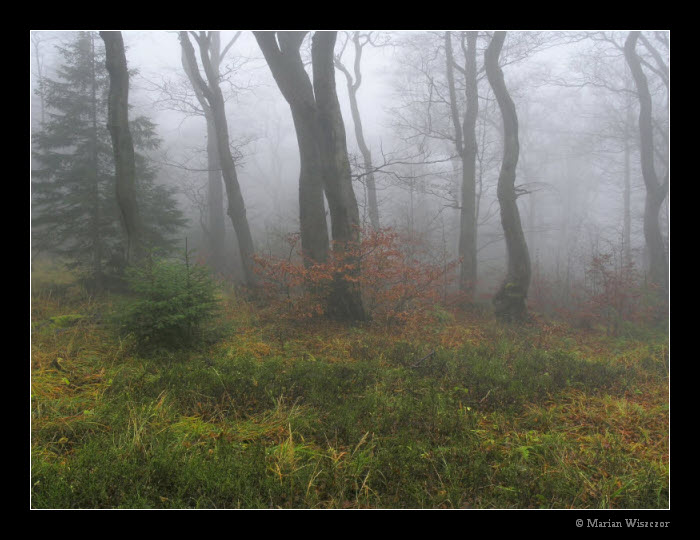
(655, 191)
(122, 144)
(287, 67)
(604, 69)
(467, 148)
(509, 301)
(211, 92)
(441, 109)
(216, 230)
(325, 166)
(354, 80)
(345, 218)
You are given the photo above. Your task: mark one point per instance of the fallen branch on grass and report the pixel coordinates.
(431, 353)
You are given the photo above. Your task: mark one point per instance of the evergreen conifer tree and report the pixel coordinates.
(74, 208)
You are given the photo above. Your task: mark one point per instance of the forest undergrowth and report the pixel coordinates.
(452, 410)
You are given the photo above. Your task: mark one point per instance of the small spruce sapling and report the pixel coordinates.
(174, 300)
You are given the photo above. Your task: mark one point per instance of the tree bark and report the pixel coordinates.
(288, 71)
(212, 92)
(353, 87)
(346, 302)
(216, 233)
(215, 201)
(122, 144)
(655, 191)
(96, 205)
(323, 152)
(342, 204)
(465, 140)
(509, 301)
(627, 193)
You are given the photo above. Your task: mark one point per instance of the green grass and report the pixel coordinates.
(273, 415)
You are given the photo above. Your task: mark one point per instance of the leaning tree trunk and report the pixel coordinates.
(122, 144)
(509, 301)
(312, 210)
(655, 191)
(216, 228)
(370, 181)
(236, 206)
(346, 302)
(353, 87)
(215, 99)
(323, 154)
(288, 71)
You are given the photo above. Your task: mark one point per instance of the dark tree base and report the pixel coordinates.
(345, 302)
(509, 303)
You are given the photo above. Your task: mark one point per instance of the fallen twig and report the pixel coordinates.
(431, 353)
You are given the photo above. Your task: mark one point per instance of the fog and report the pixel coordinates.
(351, 270)
(578, 136)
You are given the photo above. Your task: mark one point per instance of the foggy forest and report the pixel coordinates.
(353, 269)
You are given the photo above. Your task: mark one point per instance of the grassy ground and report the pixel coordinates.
(271, 414)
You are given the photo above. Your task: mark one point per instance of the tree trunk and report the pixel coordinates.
(215, 201)
(345, 218)
(312, 211)
(323, 155)
(509, 301)
(96, 206)
(236, 206)
(122, 144)
(216, 233)
(215, 191)
(468, 225)
(627, 194)
(353, 87)
(288, 71)
(465, 142)
(655, 191)
(215, 99)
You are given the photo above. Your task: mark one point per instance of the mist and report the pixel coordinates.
(390, 181)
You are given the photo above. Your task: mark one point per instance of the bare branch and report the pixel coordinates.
(230, 43)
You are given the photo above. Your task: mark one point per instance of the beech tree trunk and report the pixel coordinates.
(655, 191)
(95, 185)
(468, 223)
(216, 228)
(122, 144)
(346, 302)
(212, 92)
(323, 152)
(465, 141)
(627, 196)
(215, 201)
(509, 301)
(96, 205)
(288, 71)
(353, 87)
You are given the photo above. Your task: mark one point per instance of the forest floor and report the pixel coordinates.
(461, 413)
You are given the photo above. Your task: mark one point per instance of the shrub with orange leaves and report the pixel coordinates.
(397, 279)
